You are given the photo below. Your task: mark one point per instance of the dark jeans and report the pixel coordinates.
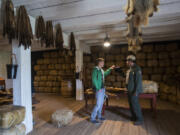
(135, 107)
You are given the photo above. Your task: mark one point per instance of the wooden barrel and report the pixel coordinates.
(67, 88)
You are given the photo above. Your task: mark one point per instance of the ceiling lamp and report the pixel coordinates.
(107, 41)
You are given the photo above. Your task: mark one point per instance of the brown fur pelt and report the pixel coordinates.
(72, 42)
(59, 37)
(9, 25)
(40, 29)
(142, 10)
(23, 28)
(134, 48)
(49, 34)
(134, 35)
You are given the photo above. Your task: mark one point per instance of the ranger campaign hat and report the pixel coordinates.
(131, 58)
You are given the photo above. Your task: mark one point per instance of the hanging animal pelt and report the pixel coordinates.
(9, 25)
(134, 35)
(59, 37)
(23, 28)
(49, 34)
(40, 29)
(142, 10)
(72, 42)
(2, 3)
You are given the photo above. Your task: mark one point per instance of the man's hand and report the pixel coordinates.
(100, 90)
(112, 67)
(135, 94)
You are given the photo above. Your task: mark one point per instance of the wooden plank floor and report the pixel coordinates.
(117, 123)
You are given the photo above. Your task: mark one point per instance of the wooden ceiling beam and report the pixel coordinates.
(122, 42)
(42, 3)
(146, 38)
(80, 13)
(121, 33)
(78, 8)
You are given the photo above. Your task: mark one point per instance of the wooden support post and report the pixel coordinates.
(22, 83)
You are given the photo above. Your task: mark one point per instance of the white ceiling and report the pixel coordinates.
(90, 19)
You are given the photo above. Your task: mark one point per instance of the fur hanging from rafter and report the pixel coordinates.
(40, 29)
(134, 35)
(142, 10)
(72, 42)
(59, 37)
(49, 34)
(9, 23)
(23, 28)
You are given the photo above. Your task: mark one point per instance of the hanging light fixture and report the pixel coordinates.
(107, 41)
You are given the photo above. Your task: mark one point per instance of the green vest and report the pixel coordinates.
(98, 76)
(135, 80)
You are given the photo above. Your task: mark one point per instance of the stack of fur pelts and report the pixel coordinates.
(11, 118)
(9, 23)
(23, 28)
(59, 37)
(134, 35)
(49, 34)
(72, 42)
(150, 86)
(142, 10)
(40, 29)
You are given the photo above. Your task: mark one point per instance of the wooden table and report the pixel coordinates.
(151, 96)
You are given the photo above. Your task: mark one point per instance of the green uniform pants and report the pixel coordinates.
(135, 107)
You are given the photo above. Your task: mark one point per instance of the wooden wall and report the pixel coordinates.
(160, 62)
(5, 57)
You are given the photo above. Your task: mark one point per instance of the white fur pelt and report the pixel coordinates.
(142, 10)
(62, 117)
(150, 86)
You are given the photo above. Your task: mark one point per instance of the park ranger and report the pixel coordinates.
(134, 87)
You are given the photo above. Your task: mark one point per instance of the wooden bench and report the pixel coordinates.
(152, 96)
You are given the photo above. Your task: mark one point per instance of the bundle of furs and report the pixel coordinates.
(2, 3)
(59, 37)
(142, 10)
(62, 117)
(9, 25)
(150, 86)
(49, 34)
(40, 29)
(15, 130)
(23, 28)
(134, 35)
(72, 42)
(11, 115)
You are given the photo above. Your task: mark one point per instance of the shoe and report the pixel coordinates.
(102, 119)
(133, 119)
(94, 121)
(137, 123)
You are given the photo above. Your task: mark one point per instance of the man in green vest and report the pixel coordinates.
(98, 80)
(134, 87)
